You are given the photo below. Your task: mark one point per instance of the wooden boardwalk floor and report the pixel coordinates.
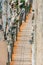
(22, 51)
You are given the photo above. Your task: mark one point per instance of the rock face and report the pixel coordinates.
(39, 33)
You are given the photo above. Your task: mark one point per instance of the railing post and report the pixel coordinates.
(25, 13)
(9, 54)
(16, 31)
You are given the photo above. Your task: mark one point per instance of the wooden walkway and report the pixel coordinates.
(22, 51)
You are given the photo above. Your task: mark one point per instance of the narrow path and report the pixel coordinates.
(22, 51)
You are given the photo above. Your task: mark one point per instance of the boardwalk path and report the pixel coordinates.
(22, 51)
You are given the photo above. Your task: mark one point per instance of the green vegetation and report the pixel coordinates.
(23, 1)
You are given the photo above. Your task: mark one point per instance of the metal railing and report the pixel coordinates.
(12, 37)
